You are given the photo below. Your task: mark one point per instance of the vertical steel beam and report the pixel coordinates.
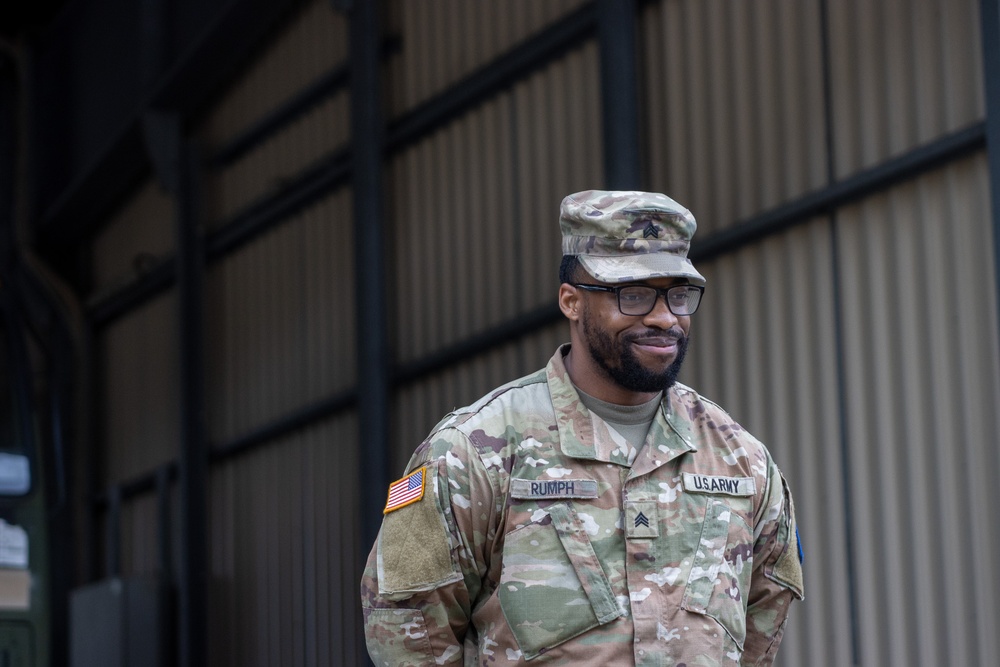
(176, 163)
(619, 94)
(193, 459)
(114, 539)
(842, 416)
(370, 236)
(989, 13)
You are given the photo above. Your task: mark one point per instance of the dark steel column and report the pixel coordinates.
(193, 459)
(842, 389)
(619, 94)
(370, 240)
(989, 14)
(175, 161)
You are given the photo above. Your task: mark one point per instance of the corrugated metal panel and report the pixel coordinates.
(135, 239)
(902, 73)
(734, 122)
(764, 346)
(475, 210)
(734, 110)
(285, 557)
(314, 42)
(921, 343)
(447, 205)
(421, 405)
(267, 168)
(140, 375)
(445, 40)
(280, 319)
(558, 128)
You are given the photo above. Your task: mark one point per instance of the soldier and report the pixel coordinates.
(596, 511)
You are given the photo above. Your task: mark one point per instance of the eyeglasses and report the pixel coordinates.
(682, 300)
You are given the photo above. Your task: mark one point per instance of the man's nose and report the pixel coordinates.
(660, 316)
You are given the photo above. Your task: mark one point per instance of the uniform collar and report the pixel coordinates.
(664, 442)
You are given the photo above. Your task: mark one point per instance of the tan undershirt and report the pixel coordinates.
(631, 421)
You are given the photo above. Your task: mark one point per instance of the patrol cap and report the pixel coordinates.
(621, 236)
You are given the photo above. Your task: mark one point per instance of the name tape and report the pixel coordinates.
(537, 489)
(731, 486)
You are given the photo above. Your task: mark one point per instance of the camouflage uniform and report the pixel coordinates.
(535, 540)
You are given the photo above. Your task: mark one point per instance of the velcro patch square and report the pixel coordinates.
(406, 491)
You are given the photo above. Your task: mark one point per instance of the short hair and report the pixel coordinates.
(568, 269)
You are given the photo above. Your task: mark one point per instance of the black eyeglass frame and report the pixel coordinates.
(660, 291)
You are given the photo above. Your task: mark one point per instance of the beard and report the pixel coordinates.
(619, 362)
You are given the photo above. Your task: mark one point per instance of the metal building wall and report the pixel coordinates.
(445, 40)
(853, 340)
(921, 371)
(837, 340)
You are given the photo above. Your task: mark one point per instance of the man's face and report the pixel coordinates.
(638, 353)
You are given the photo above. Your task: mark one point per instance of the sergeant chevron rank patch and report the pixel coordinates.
(640, 520)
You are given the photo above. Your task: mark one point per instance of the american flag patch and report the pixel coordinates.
(406, 491)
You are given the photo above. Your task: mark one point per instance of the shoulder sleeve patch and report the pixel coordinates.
(414, 553)
(788, 568)
(407, 490)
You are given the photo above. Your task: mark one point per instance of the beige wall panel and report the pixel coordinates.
(268, 168)
(421, 405)
(309, 46)
(135, 239)
(920, 331)
(446, 40)
(140, 368)
(763, 345)
(559, 151)
(734, 110)
(902, 73)
(285, 553)
(476, 207)
(280, 320)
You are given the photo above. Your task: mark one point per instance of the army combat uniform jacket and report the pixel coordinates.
(527, 530)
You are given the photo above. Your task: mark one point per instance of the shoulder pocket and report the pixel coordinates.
(553, 587)
(719, 579)
(397, 637)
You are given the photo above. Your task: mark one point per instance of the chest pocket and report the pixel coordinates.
(719, 579)
(552, 587)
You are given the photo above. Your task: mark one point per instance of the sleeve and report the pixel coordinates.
(426, 569)
(777, 573)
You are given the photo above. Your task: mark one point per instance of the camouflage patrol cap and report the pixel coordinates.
(625, 236)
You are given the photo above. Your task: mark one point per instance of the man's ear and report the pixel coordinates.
(569, 302)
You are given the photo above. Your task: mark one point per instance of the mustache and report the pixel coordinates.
(673, 333)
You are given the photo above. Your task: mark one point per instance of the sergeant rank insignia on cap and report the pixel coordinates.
(406, 491)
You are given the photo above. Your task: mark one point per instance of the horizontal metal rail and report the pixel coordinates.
(186, 89)
(853, 188)
(299, 418)
(484, 83)
(324, 86)
(898, 170)
(314, 183)
(319, 179)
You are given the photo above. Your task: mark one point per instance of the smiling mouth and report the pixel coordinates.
(658, 343)
(659, 346)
